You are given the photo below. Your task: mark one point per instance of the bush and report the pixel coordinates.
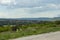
(4, 29)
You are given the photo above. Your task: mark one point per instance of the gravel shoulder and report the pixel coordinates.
(46, 36)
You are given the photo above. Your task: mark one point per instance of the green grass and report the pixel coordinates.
(28, 30)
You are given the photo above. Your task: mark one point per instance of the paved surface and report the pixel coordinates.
(47, 36)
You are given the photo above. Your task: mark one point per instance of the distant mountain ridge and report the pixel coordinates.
(46, 19)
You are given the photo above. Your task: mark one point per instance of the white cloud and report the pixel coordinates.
(39, 7)
(25, 13)
(49, 14)
(51, 5)
(3, 15)
(29, 8)
(8, 2)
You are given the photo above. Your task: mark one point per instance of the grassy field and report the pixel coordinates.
(31, 29)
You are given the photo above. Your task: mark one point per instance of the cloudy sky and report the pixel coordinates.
(29, 8)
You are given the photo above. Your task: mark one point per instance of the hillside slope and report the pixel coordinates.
(47, 36)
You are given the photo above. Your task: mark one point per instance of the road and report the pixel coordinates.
(46, 36)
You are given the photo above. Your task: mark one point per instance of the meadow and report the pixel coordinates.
(27, 29)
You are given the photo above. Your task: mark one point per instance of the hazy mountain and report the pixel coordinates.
(42, 19)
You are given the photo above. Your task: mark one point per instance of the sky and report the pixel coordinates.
(29, 8)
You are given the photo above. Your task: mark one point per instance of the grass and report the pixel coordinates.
(29, 30)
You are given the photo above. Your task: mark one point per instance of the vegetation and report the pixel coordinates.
(28, 28)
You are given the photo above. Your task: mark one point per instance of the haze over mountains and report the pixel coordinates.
(41, 18)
